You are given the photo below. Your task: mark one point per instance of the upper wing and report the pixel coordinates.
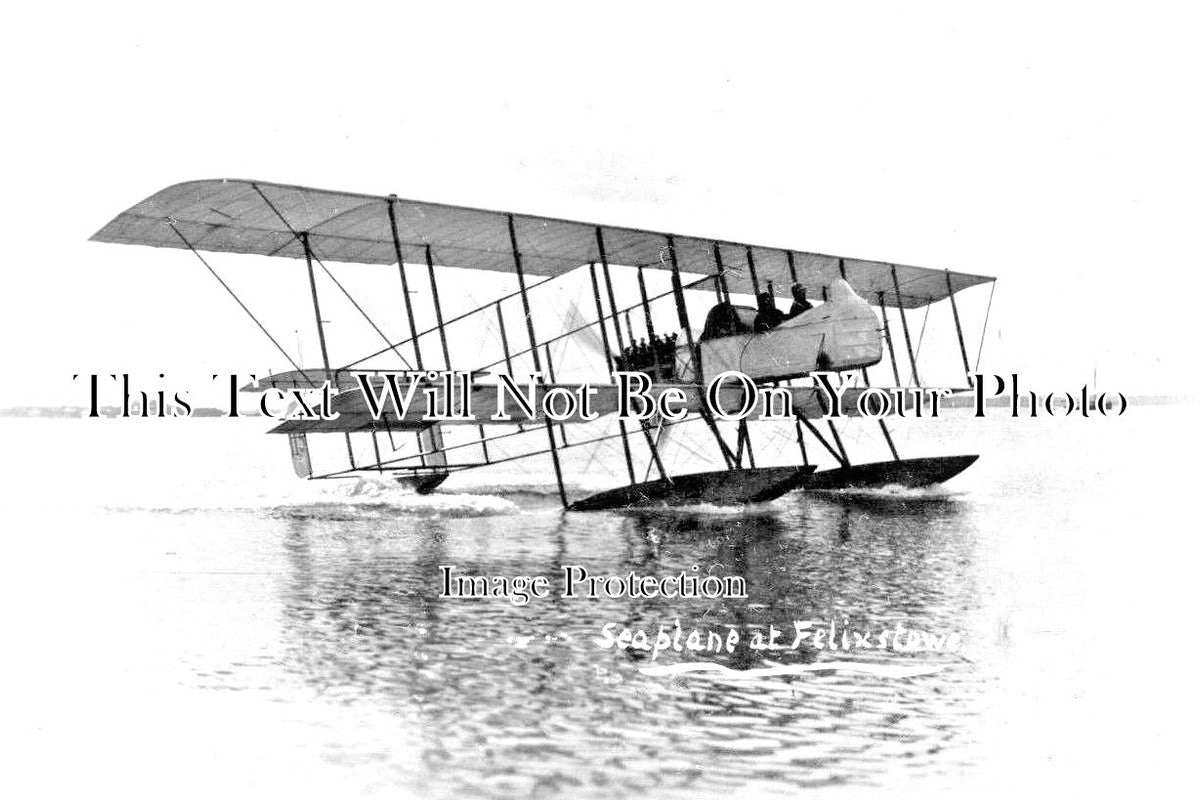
(240, 216)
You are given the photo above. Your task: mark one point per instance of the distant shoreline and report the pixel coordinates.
(109, 412)
(77, 412)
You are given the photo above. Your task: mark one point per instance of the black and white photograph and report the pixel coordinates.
(545, 400)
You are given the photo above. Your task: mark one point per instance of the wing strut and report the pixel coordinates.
(681, 307)
(962, 345)
(659, 369)
(612, 302)
(641, 275)
(887, 336)
(537, 362)
(753, 271)
(722, 283)
(408, 310)
(308, 254)
(441, 326)
(608, 355)
(681, 310)
(504, 346)
(312, 282)
(562, 426)
(912, 360)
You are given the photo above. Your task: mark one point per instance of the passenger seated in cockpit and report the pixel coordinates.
(800, 302)
(768, 315)
(726, 319)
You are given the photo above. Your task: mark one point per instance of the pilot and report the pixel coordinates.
(768, 315)
(800, 302)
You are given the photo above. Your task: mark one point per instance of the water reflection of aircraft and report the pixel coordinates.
(773, 349)
(365, 613)
(501, 700)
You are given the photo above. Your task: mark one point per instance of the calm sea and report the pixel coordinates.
(184, 617)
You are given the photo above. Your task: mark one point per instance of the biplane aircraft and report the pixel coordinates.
(847, 332)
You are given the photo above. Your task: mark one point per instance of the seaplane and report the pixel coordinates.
(846, 327)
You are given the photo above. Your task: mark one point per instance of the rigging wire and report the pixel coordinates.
(261, 327)
(312, 250)
(924, 322)
(983, 334)
(394, 347)
(448, 322)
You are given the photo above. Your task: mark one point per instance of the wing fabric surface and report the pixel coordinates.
(240, 216)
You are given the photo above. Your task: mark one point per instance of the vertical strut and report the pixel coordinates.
(408, 309)
(441, 325)
(312, 283)
(504, 339)
(612, 302)
(649, 320)
(912, 360)
(722, 283)
(887, 335)
(562, 426)
(600, 318)
(753, 271)
(504, 345)
(533, 350)
(645, 300)
(609, 358)
(681, 307)
(697, 367)
(962, 345)
(516, 254)
(437, 305)
(375, 442)
(791, 258)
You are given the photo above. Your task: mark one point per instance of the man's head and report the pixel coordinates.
(798, 293)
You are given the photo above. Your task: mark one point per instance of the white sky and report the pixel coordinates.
(1051, 146)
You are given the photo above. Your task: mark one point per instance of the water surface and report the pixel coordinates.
(183, 607)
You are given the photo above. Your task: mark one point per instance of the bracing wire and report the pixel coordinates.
(336, 282)
(233, 294)
(983, 335)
